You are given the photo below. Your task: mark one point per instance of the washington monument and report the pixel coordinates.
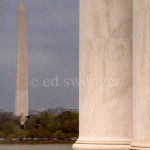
(22, 66)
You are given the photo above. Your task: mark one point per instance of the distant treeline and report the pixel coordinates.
(63, 126)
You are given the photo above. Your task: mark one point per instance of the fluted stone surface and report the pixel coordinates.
(105, 62)
(22, 65)
(141, 75)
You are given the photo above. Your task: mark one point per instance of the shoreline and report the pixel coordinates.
(35, 142)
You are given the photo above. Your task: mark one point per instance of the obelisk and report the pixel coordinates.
(22, 65)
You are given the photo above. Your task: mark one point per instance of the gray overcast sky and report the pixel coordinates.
(53, 31)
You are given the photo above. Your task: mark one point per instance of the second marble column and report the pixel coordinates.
(141, 75)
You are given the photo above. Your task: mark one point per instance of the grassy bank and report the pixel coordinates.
(56, 128)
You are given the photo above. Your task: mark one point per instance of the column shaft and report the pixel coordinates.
(105, 75)
(141, 74)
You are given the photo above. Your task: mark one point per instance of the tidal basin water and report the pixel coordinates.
(37, 147)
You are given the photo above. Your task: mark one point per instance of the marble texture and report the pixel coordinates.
(105, 19)
(105, 75)
(141, 5)
(22, 65)
(100, 59)
(141, 75)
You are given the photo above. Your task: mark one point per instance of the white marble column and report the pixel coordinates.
(105, 75)
(141, 74)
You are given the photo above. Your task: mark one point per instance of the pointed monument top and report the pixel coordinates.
(22, 5)
(22, 2)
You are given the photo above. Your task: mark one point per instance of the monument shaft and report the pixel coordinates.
(22, 65)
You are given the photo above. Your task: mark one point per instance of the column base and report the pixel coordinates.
(96, 146)
(140, 145)
(139, 148)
